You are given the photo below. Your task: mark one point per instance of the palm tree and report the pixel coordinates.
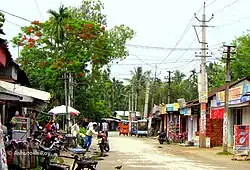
(138, 81)
(178, 76)
(58, 18)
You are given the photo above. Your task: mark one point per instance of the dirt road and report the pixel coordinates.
(146, 154)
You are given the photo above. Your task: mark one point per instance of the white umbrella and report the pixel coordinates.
(62, 110)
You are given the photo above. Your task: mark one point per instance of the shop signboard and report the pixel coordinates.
(182, 103)
(241, 140)
(185, 111)
(235, 95)
(163, 108)
(172, 107)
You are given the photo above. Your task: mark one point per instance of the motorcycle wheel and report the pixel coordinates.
(161, 142)
(106, 148)
(102, 149)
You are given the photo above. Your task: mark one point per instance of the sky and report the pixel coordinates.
(158, 23)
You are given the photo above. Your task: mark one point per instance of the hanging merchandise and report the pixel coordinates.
(3, 159)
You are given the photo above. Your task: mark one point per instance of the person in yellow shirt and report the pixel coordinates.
(89, 135)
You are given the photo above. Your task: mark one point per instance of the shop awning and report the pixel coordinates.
(25, 91)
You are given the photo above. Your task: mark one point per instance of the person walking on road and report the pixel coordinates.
(105, 128)
(89, 135)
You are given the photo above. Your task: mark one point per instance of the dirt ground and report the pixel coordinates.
(147, 154)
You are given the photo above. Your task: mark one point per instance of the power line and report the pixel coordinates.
(231, 23)
(186, 50)
(161, 48)
(222, 9)
(15, 15)
(181, 38)
(37, 6)
(211, 3)
(13, 23)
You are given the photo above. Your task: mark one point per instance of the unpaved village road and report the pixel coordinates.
(143, 154)
(147, 154)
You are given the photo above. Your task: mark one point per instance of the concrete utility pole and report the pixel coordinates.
(66, 95)
(225, 122)
(71, 91)
(169, 85)
(129, 102)
(203, 87)
(146, 100)
(170, 116)
(153, 91)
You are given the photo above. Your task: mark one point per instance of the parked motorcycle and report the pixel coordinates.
(162, 137)
(103, 142)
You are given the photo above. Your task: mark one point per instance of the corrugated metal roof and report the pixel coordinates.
(22, 90)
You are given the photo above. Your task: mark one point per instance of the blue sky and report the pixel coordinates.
(158, 23)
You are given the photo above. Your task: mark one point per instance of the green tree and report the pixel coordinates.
(216, 75)
(240, 66)
(73, 40)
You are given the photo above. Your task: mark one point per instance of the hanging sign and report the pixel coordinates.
(163, 108)
(186, 111)
(241, 140)
(172, 107)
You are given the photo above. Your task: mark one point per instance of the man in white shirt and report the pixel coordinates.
(89, 135)
(90, 125)
(105, 128)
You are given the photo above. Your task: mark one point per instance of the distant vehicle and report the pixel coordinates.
(142, 128)
(134, 128)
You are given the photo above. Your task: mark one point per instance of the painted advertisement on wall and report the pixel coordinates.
(235, 95)
(241, 140)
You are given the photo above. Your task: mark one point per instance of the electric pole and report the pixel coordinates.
(146, 100)
(66, 97)
(203, 86)
(129, 102)
(169, 85)
(153, 91)
(225, 122)
(170, 115)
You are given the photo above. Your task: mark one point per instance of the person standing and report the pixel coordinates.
(105, 128)
(89, 135)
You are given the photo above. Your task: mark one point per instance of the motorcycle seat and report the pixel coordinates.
(78, 151)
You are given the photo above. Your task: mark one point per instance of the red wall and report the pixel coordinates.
(2, 57)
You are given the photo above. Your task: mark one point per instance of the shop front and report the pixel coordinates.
(239, 108)
(173, 119)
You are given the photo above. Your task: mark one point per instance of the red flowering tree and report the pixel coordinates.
(70, 41)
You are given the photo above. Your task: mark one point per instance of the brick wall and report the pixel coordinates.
(214, 128)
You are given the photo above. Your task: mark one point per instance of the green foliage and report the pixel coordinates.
(240, 66)
(216, 75)
(74, 40)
